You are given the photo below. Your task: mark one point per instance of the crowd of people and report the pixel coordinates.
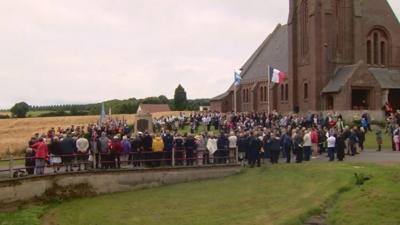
(211, 138)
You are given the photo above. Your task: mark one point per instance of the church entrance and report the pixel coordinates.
(394, 98)
(329, 102)
(360, 99)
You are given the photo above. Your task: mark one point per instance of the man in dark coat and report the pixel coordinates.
(298, 147)
(287, 146)
(242, 144)
(255, 146)
(30, 158)
(275, 148)
(340, 147)
(67, 150)
(190, 147)
(353, 140)
(148, 148)
(222, 145)
(137, 148)
(168, 146)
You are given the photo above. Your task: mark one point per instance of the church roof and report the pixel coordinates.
(153, 108)
(387, 79)
(221, 96)
(274, 51)
(340, 78)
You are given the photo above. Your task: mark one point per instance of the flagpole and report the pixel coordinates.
(234, 98)
(269, 84)
(235, 84)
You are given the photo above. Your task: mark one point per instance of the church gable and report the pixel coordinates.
(272, 52)
(351, 75)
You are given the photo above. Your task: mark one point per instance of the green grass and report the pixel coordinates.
(282, 194)
(377, 202)
(370, 140)
(23, 217)
(36, 113)
(258, 196)
(4, 164)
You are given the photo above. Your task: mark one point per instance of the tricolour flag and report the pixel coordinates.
(276, 76)
(237, 78)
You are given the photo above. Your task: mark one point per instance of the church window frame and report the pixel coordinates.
(305, 91)
(378, 47)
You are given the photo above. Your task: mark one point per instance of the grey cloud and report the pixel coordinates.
(76, 51)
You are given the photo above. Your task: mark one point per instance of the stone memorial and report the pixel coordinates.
(144, 122)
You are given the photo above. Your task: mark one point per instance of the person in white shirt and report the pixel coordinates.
(331, 147)
(212, 148)
(232, 147)
(307, 145)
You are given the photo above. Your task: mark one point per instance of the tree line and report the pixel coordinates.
(127, 106)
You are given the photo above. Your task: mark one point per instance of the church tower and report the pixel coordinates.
(328, 39)
(320, 35)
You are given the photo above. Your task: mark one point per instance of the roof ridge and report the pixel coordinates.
(258, 51)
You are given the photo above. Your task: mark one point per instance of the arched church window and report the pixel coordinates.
(383, 53)
(265, 93)
(369, 52)
(375, 38)
(377, 47)
(305, 91)
(286, 92)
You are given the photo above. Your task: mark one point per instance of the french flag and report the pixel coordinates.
(276, 76)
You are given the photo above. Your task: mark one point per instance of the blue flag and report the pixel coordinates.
(237, 78)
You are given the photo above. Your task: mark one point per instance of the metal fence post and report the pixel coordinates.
(237, 155)
(11, 165)
(173, 157)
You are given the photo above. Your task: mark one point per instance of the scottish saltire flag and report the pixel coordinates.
(276, 76)
(237, 78)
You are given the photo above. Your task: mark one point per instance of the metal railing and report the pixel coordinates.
(9, 168)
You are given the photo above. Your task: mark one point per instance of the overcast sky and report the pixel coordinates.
(81, 51)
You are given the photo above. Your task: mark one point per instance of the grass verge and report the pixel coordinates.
(271, 195)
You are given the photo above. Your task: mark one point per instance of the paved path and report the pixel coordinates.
(382, 157)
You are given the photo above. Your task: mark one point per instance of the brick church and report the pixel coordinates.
(337, 55)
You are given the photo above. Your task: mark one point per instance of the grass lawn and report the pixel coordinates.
(36, 113)
(282, 194)
(370, 141)
(19, 163)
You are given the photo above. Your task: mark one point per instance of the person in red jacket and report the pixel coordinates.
(116, 151)
(41, 155)
(314, 142)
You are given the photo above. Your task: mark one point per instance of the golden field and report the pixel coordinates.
(15, 133)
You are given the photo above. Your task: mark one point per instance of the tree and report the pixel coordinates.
(163, 99)
(180, 99)
(20, 110)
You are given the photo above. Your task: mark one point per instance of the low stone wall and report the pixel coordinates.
(101, 182)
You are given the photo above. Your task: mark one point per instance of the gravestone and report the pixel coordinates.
(144, 122)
